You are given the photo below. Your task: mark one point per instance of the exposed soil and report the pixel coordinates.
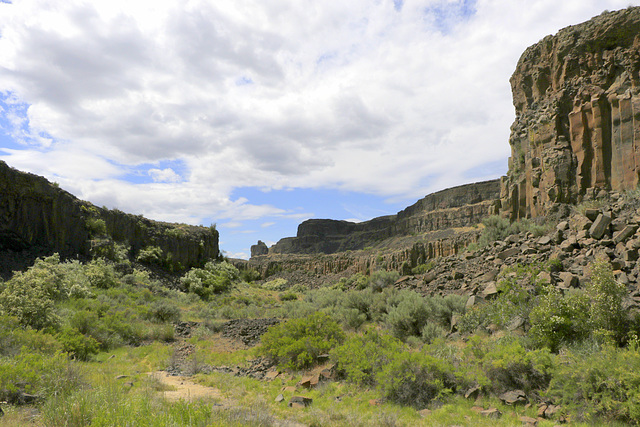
(184, 389)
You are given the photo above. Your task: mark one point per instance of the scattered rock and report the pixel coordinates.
(528, 421)
(513, 397)
(300, 402)
(248, 331)
(279, 398)
(492, 413)
(600, 225)
(473, 392)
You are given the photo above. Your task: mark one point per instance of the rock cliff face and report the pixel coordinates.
(36, 213)
(577, 127)
(454, 207)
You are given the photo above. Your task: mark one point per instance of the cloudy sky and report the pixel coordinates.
(258, 114)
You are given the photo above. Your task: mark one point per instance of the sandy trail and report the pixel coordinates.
(186, 389)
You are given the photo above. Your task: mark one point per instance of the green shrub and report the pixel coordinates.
(14, 337)
(297, 343)
(432, 331)
(362, 357)
(606, 314)
(45, 375)
(415, 379)
(288, 296)
(382, 279)
(152, 255)
(350, 317)
(275, 285)
(423, 268)
(77, 345)
(409, 316)
(498, 228)
(557, 320)
(164, 311)
(509, 365)
(605, 383)
(30, 296)
(357, 281)
(96, 226)
(249, 275)
(214, 278)
(101, 274)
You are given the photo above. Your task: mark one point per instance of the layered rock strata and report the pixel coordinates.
(577, 127)
(460, 206)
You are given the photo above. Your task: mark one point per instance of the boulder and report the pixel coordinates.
(600, 225)
(300, 402)
(625, 233)
(513, 397)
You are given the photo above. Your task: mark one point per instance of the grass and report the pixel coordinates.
(115, 388)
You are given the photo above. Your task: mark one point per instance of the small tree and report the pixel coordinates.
(607, 315)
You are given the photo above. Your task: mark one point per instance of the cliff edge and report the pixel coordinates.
(38, 218)
(577, 126)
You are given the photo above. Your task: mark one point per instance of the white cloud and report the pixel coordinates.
(164, 175)
(390, 98)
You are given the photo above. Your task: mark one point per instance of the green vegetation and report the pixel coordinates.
(498, 228)
(214, 278)
(70, 328)
(296, 344)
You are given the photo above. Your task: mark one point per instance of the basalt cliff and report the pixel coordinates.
(38, 218)
(455, 207)
(577, 127)
(576, 137)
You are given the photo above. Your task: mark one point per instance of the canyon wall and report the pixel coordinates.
(577, 127)
(36, 213)
(460, 206)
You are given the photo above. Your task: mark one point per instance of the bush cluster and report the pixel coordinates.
(214, 278)
(297, 343)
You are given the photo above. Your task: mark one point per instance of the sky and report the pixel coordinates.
(256, 115)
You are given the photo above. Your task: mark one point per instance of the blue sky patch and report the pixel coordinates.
(397, 5)
(243, 81)
(144, 173)
(447, 15)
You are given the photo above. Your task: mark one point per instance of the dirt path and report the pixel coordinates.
(187, 390)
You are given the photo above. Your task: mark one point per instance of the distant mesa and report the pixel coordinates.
(460, 206)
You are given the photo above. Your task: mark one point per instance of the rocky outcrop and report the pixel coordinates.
(36, 213)
(460, 206)
(259, 249)
(577, 127)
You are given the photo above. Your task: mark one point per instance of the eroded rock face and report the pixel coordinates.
(36, 213)
(577, 127)
(259, 249)
(460, 206)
